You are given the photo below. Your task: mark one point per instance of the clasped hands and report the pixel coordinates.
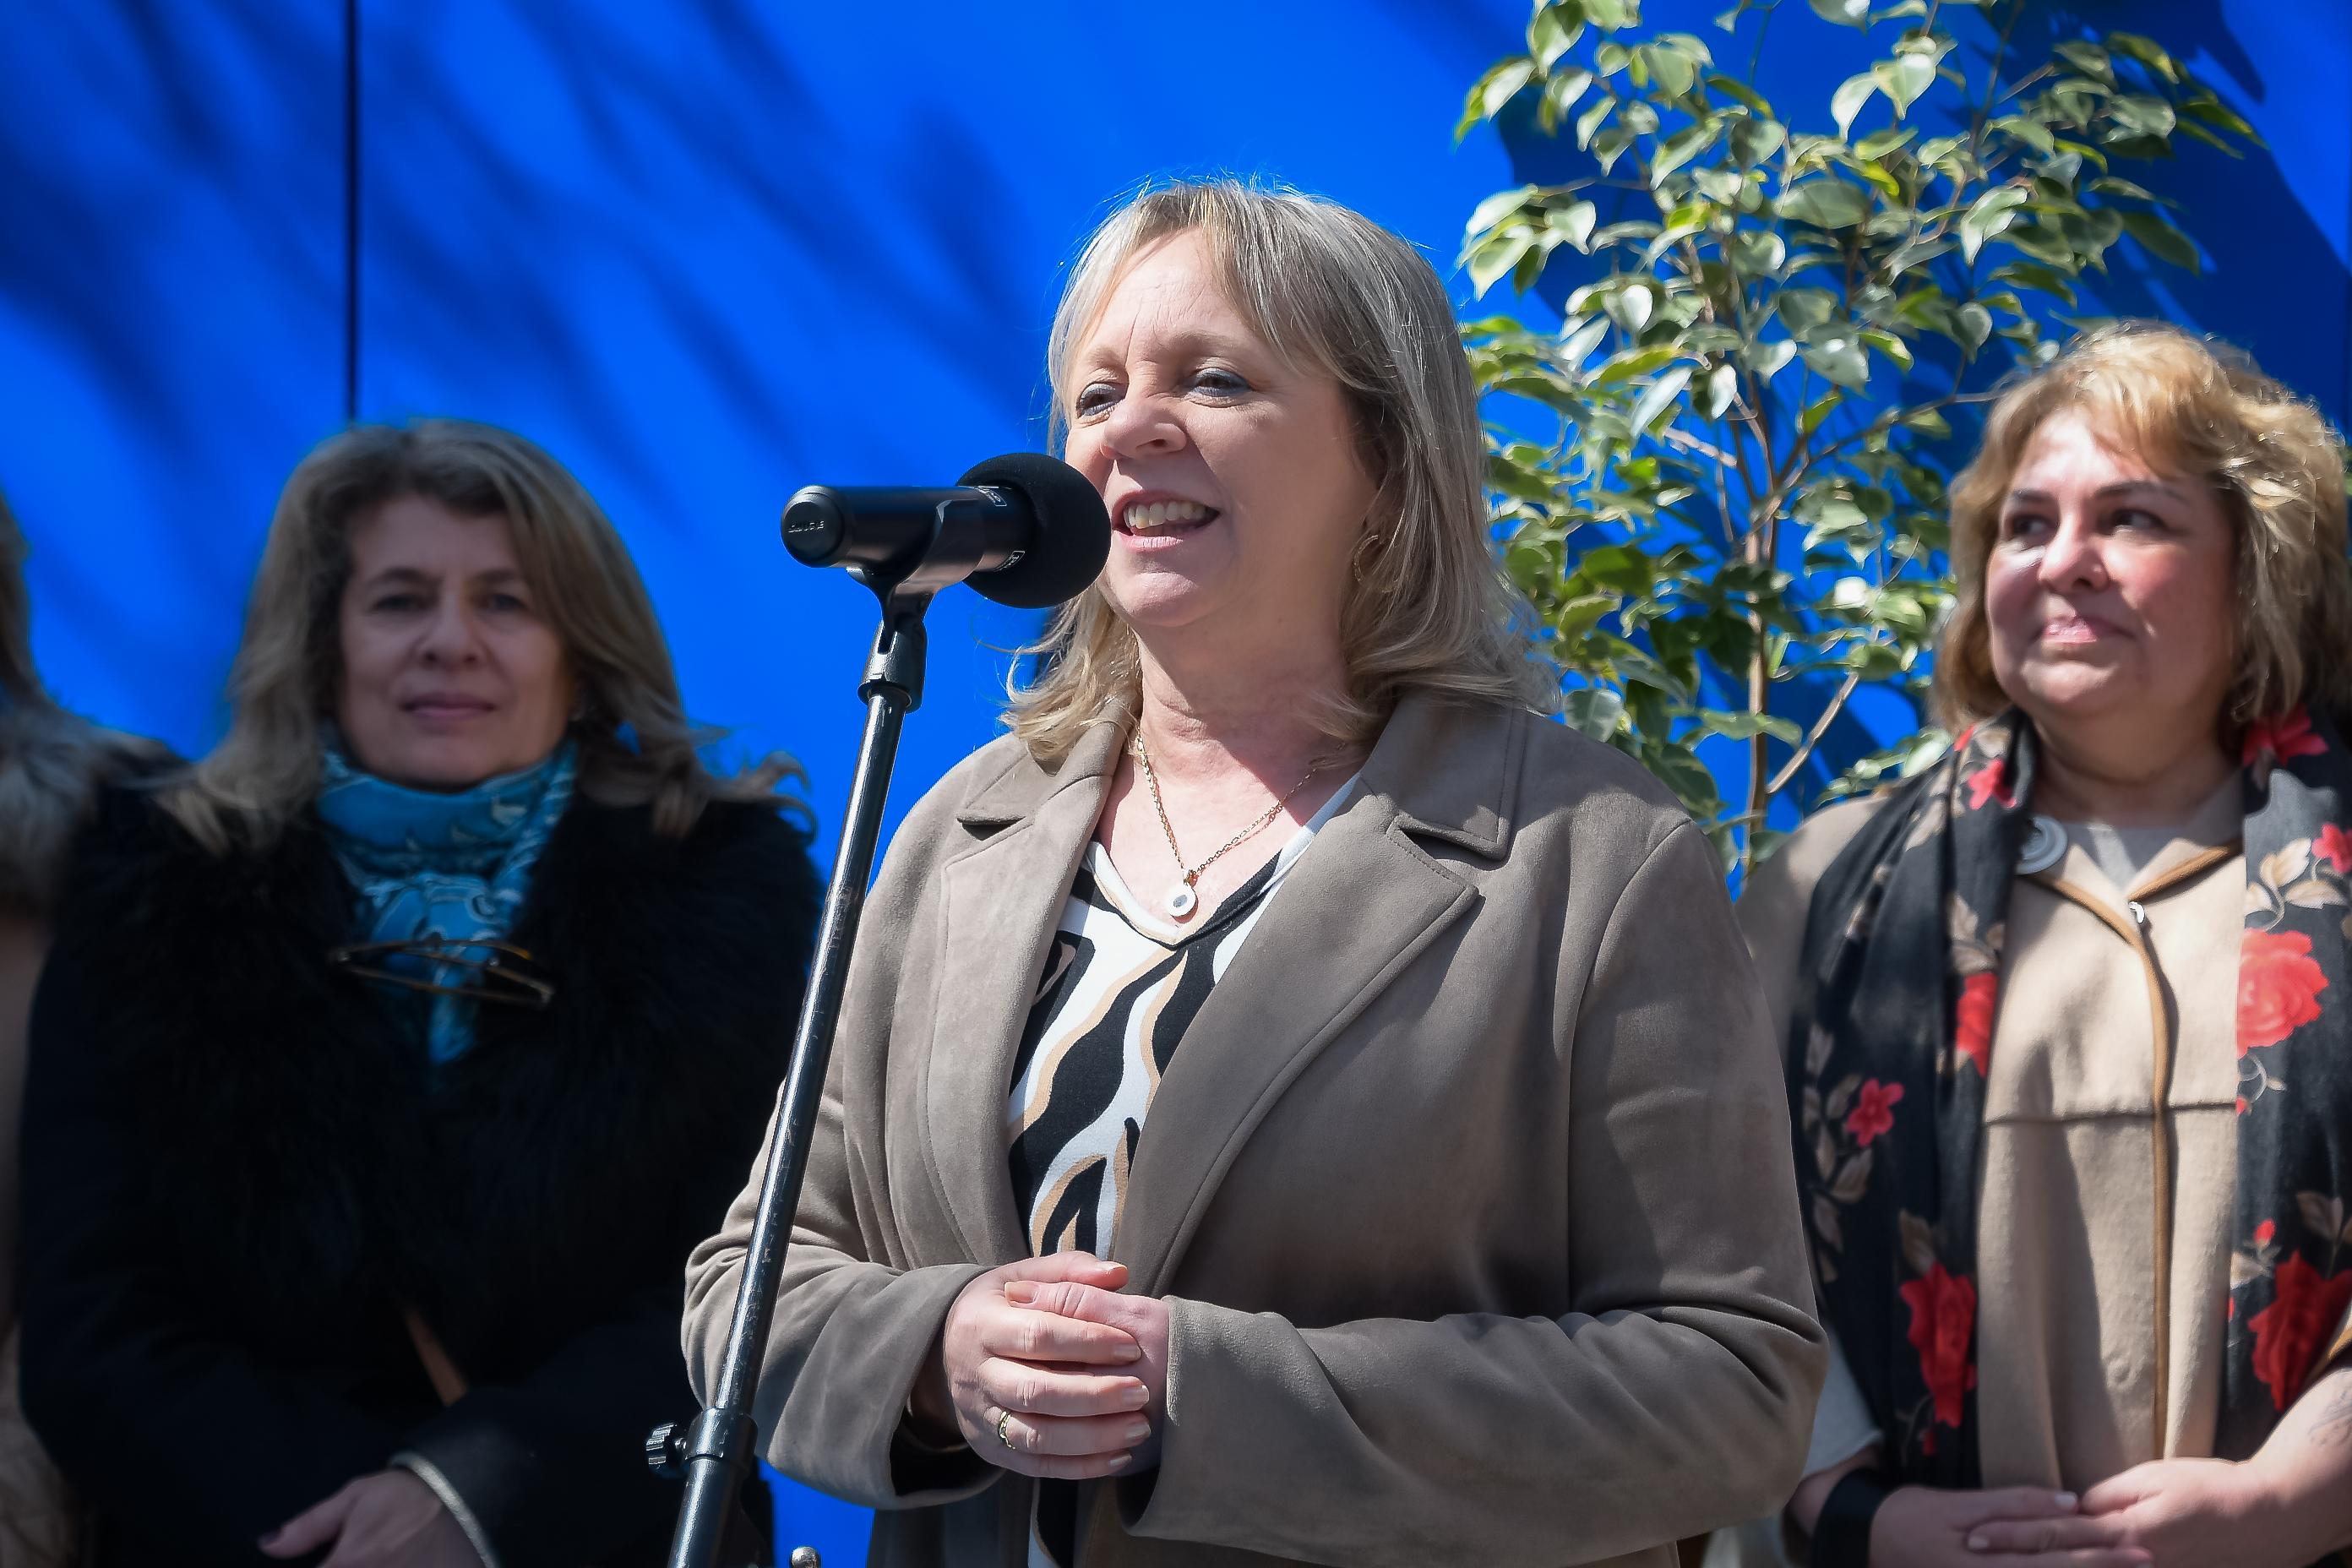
(1045, 1370)
(2168, 1514)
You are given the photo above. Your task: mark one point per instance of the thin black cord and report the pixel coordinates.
(351, 211)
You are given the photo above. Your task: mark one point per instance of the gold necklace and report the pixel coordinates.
(1182, 901)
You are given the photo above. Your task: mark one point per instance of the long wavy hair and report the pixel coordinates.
(51, 762)
(636, 745)
(1429, 608)
(2207, 413)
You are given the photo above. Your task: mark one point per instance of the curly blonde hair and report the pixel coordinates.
(2205, 413)
(1329, 287)
(636, 745)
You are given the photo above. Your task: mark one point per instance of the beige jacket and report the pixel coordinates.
(1469, 1187)
(36, 1515)
(2103, 1227)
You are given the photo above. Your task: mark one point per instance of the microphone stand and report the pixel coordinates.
(717, 1451)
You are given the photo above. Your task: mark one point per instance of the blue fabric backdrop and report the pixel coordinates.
(707, 253)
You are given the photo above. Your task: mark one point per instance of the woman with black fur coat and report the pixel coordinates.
(389, 1062)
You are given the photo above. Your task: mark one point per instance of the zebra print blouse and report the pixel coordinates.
(1119, 989)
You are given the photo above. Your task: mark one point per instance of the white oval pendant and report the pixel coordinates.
(1180, 901)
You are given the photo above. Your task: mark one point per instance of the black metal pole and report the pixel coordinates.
(722, 1445)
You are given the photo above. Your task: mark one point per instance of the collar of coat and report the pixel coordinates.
(1449, 768)
(1365, 905)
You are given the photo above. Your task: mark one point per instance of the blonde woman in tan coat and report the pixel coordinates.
(1292, 1103)
(2070, 1016)
(51, 766)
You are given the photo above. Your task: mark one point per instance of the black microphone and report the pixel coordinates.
(1025, 530)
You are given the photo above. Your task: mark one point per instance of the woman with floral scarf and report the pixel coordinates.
(2069, 1015)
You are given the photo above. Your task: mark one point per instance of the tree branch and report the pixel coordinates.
(1814, 736)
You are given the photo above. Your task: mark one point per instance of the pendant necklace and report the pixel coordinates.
(1182, 901)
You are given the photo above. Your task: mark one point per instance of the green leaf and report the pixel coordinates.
(1823, 203)
(1593, 711)
(1492, 261)
(1675, 71)
(1756, 252)
(2088, 58)
(1553, 33)
(2162, 240)
(1847, 101)
(1573, 222)
(2033, 275)
(1496, 89)
(1581, 613)
(2148, 52)
(1887, 343)
(1735, 725)
(1686, 776)
(1682, 147)
(1844, 13)
(1742, 93)
(1904, 79)
(1928, 421)
(1806, 307)
(1753, 141)
(1722, 388)
(1630, 307)
(2197, 133)
(1577, 346)
(1610, 145)
(1635, 363)
(1613, 16)
(1916, 253)
(1837, 355)
(2110, 185)
(2205, 107)
(1690, 46)
(1659, 394)
(1820, 408)
(1767, 359)
(1497, 207)
(1588, 122)
(2143, 113)
(2031, 132)
(1976, 325)
(1559, 95)
(1990, 214)
(1879, 143)
(1620, 566)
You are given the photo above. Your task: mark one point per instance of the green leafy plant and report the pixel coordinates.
(1744, 489)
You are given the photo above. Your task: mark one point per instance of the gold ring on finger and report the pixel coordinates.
(1002, 1435)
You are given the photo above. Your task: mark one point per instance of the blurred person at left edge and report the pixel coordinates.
(389, 1062)
(52, 765)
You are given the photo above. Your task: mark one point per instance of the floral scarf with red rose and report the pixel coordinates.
(1894, 1037)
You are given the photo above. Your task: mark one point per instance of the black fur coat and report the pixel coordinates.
(240, 1175)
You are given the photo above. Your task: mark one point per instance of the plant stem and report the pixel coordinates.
(1780, 780)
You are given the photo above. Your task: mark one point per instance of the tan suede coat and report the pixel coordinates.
(1469, 1188)
(2104, 1227)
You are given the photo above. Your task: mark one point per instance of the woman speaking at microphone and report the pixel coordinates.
(1292, 1101)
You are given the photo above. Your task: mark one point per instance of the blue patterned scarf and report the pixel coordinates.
(454, 867)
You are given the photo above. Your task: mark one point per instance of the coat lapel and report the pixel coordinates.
(1003, 902)
(1355, 912)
